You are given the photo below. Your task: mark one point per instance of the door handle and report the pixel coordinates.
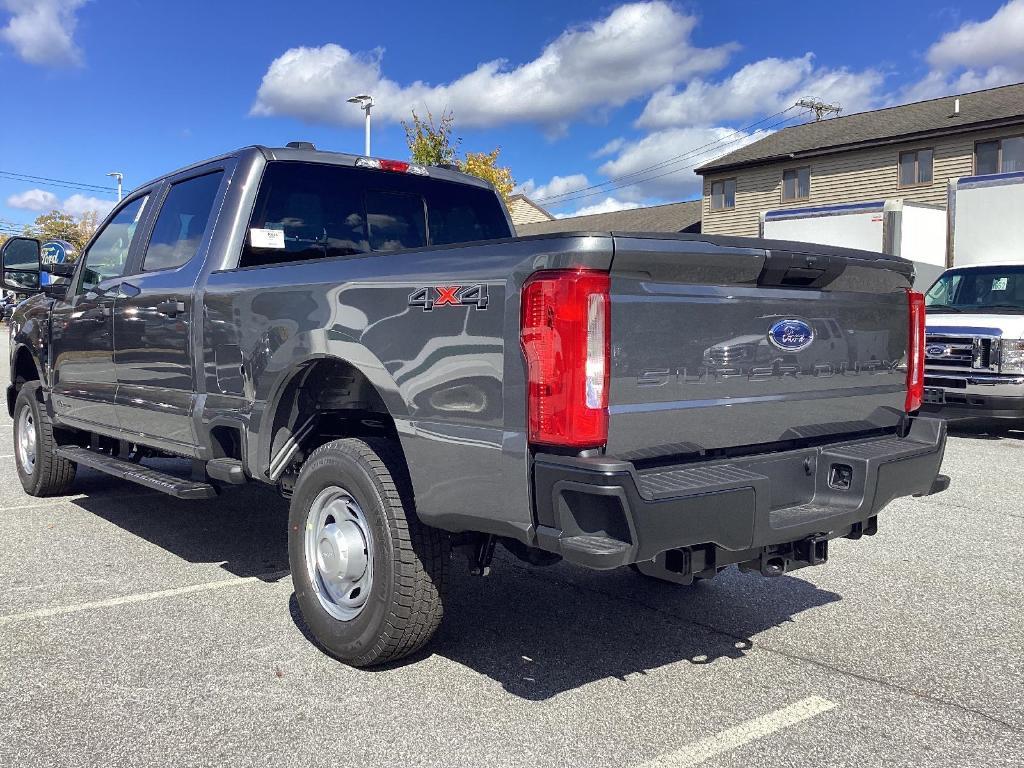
(97, 315)
(171, 308)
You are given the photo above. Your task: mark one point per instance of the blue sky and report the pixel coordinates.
(575, 93)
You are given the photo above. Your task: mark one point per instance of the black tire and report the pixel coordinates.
(403, 608)
(50, 475)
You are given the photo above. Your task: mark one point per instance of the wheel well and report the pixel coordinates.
(324, 400)
(24, 368)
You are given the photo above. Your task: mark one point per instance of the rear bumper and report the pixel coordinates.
(603, 513)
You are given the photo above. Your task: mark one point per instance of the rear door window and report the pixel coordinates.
(182, 222)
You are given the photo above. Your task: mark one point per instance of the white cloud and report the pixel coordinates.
(761, 88)
(676, 180)
(637, 48)
(559, 185)
(607, 205)
(41, 201)
(981, 44)
(610, 148)
(34, 200)
(978, 55)
(77, 204)
(42, 31)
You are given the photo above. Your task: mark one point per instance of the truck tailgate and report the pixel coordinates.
(717, 346)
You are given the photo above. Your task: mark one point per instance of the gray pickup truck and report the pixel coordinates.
(369, 337)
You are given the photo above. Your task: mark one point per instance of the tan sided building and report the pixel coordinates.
(522, 210)
(909, 151)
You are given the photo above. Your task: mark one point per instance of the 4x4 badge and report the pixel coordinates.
(449, 296)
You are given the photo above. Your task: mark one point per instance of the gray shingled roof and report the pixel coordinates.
(672, 217)
(996, 106)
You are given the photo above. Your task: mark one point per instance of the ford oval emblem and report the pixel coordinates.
(935, 350)
(791, 335)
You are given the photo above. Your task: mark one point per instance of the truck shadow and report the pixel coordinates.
(538, 632)
(245, 529)
(541, 632)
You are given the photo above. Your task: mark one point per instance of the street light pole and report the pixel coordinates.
(365, 102)
(119, 177)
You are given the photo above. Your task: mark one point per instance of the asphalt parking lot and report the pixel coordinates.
(136, 629)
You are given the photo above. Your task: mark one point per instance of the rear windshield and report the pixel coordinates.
(313, 211)
(988, 289)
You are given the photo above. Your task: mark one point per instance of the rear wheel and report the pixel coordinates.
(368, 575)
(41, 471)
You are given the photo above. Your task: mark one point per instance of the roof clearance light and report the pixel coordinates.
(397, 166)
(393, 165)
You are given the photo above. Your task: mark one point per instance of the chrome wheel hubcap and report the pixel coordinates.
(27, 441)
(339, 553)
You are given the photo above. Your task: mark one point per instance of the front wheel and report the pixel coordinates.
(368, 575)
(41, 471)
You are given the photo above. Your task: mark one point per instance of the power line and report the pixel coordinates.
(576, 196)
(61, 183)
(667, 161)
(820, 108)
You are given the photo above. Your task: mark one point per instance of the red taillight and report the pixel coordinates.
(566, 335)
(915, 352)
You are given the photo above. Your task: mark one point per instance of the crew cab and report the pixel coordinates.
(368, 337)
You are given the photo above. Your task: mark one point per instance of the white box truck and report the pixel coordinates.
(915, 231)
(974, 345)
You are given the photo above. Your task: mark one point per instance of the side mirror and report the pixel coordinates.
(20, 265)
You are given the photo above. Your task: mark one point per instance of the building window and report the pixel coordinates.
(723, 194)
(999, 156)
(796, 183)
(916, 167)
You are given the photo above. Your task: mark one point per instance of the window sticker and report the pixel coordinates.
(266, 238)
(999, 283)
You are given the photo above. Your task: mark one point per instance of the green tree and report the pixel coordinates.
(484, 165)
(433, 144)
(58, 225)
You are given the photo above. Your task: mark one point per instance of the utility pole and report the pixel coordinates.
(365, 101)
(820, 108)
(119, 177)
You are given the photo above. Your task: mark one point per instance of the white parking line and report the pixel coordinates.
(744, 733)
(139, 598)
(58, 500)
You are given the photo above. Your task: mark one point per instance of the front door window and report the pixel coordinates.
(108, 254)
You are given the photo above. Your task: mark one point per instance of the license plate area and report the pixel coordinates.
(934, 396)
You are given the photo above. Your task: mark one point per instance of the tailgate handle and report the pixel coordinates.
(799, 270)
